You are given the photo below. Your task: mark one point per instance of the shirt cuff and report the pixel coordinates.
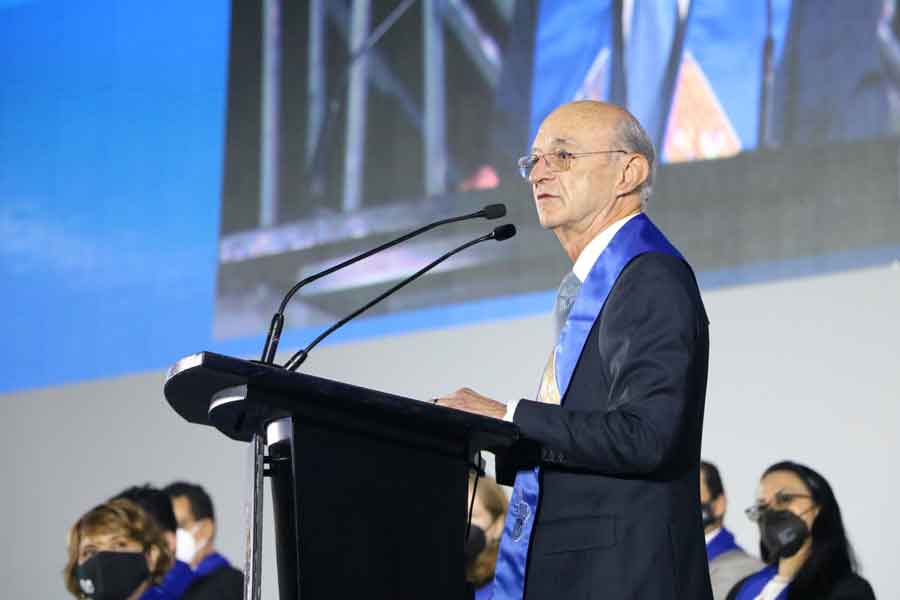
(511, 410)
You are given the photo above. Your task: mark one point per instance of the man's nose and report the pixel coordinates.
(540, 172)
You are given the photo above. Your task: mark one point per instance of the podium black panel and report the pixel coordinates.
(369, 489)
(377, 519)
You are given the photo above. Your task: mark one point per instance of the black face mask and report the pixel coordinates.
(706, 512)
(475, 543)
(782, 533)
(112, 575)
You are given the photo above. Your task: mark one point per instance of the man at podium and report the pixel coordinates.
(610, 507)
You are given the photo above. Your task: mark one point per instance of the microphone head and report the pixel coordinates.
(494, 211)
(504, 232)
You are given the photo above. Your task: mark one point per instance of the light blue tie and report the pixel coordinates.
(565, 298)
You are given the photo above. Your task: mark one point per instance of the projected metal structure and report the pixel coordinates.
(329, 211)
(352, 219)
(366, 64)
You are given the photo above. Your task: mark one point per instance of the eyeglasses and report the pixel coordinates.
(781, 501)
(558, 161)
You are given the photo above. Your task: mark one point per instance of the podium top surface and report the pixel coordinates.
(195, 381)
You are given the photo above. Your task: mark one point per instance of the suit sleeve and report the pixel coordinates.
(652, 330)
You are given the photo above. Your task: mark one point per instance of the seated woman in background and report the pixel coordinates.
(116, 552)
(488, 514)
(802, 539)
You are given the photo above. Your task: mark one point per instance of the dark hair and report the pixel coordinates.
(155, 503)
(199, 501)
(712, 478)
(831, 556)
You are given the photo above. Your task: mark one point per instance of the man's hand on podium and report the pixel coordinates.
(471, 401)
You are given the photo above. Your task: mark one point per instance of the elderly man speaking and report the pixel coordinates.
(611, 507)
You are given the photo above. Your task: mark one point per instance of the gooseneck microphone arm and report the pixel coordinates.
(503, 232)
(491, 211)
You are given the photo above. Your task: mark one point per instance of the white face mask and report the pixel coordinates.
(186, 546)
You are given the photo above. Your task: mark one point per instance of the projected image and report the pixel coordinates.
(352, 122)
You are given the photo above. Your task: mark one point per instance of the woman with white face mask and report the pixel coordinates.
(116, 552)
(802, 540)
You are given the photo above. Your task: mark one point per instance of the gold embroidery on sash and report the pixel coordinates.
(548, 390)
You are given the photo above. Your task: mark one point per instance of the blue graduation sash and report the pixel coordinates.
(636, 237)
(719, 545)
(210, 564)
(726, 39)
(176, 581)
(756, 582)
(571, 36)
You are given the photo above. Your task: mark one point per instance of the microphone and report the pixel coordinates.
(491, 211)
(500, 233)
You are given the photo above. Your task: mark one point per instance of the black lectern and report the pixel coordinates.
(368, 488)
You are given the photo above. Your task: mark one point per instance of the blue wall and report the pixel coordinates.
(111, 141)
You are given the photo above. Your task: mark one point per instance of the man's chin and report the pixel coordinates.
(548, 223)
(546, 219)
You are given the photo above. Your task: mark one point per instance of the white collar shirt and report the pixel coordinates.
(595, 248)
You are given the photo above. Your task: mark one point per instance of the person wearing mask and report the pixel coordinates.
(157, 505)
(117, 552)
(728, 563)
(214, 577)
(488, 514)
(802, 540)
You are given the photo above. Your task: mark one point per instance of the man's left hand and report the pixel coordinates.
(471, 401)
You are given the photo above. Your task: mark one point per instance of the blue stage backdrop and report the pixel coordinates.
(169, 168)
(111, 131)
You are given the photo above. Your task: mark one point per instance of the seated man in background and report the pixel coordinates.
(488, 515)
(728, 563)
(157, 505)
(213, 576)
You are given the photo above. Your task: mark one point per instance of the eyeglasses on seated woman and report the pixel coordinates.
(802, 541)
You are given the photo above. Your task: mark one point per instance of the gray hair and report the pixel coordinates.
(633, 138)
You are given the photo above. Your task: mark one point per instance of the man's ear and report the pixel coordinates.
(719, 506)
(206, 529)
(635, 171)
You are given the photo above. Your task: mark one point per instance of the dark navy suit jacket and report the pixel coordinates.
(619, 514)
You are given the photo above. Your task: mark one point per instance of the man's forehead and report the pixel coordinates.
(540, 140)
(552, 137)
(567, 132)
